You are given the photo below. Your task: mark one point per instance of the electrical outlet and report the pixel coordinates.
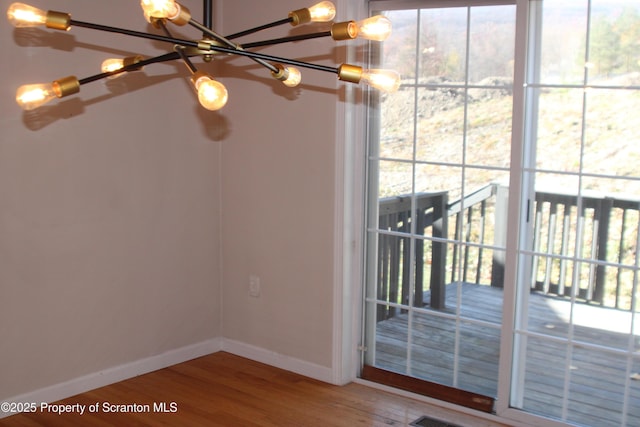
(254, 286)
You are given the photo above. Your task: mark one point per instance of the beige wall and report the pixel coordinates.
(131, 219)
(109, 207)
(278, 191)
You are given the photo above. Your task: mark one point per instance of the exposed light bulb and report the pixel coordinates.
(376, 28)
(160, 8)
(114, 64)
(165, 9)
(150, 19)
(324, 11)
(22, 15)
(289, 76)
(211, 93)
(294, 78)
(384, 80)
(30, 97)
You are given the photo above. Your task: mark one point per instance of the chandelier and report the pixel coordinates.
(211, 93)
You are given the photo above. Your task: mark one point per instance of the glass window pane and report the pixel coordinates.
(556, 183)
(440, 124)
(595, 373)
(478, 179)
(391, 340)
(543, 371)
(400, 47)
(479, 350)
(397, 123)
(611, 134)
(564, 35)
(434, 178)
(613, 41)
(489, 121)
(432, 347)
(491, 49)
(615, 187)
(442, 50)
(395, 178)
(394, 266)
(559, 130)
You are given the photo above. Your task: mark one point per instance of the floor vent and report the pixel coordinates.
(425, 421)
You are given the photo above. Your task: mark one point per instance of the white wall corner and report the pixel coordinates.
(292, 364)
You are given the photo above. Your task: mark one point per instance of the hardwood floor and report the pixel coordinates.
(226, 390)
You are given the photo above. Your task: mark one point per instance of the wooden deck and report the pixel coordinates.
(597, 380)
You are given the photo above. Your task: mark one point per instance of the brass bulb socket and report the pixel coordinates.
(156, 22)
(132, 60)
(58, 20)
(350, 73)
(282, 74)
(344, 30)
(198, 75)
(183, 17)
(300, 16)
(66, 86)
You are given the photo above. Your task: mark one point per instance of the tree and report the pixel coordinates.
(604, 47)
(627, 27)
(615, 43)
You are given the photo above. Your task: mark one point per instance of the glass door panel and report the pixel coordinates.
(439, 176)
(576, 335)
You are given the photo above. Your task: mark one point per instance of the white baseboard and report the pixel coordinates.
(302, 367)
(118, 373)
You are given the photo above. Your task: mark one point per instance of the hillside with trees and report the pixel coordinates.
(609, 130)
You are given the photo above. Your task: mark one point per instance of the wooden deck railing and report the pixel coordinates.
(604, 229)
(605, 232)
(395, 250)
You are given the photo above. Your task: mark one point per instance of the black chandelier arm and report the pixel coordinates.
(181, 42)
(199, 45)
(260, 28)
(209, 32)
(232, 45)
(185, 58)
(287, 39)
(277, 59)
(172, 56)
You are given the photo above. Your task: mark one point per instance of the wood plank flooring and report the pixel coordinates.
(598, 378)
(226, 390)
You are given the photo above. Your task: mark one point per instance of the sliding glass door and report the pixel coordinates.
(504, 208)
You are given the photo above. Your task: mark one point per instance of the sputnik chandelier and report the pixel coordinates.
(211, 93)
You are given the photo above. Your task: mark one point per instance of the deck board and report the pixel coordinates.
(597, 379)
